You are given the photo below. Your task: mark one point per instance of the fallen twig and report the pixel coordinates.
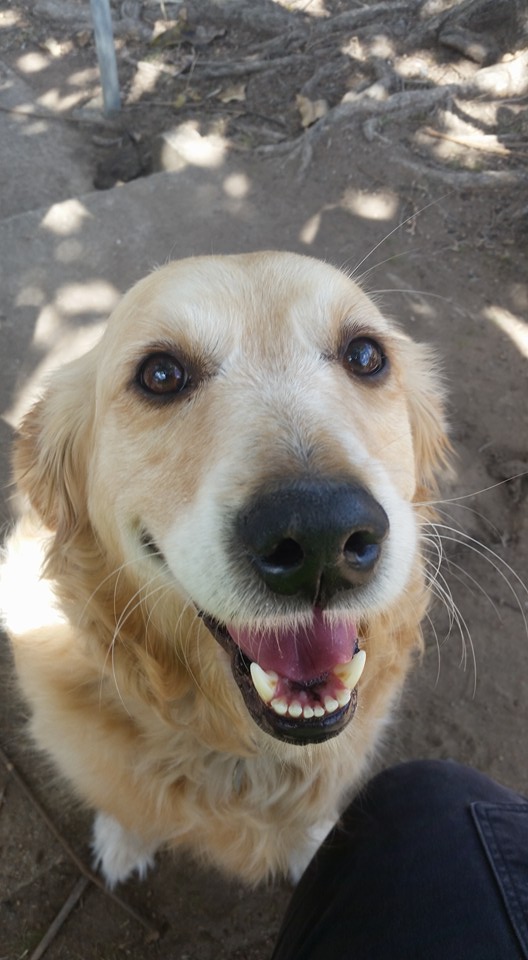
(210, 70)
(81, 866)
(482, 142)
(62, 915)
(466, 179)
(353, 19)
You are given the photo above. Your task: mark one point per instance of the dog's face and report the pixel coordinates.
(251, 433)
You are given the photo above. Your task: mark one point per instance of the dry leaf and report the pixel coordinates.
(172, 35)
(236, 91)
(310, 110)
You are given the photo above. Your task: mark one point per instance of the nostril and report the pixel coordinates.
(362, 548)
(287, 555)
(312, 539)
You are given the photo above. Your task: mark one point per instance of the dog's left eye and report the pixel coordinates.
(365, 357)
(162, 375)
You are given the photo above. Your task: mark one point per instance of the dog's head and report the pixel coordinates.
(252, 436)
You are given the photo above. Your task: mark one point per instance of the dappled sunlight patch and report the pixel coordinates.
(22, 116)
(185, 145)
(425, 67)
(9, 19)
(237, 185)
(82, 78)
(32, 62)
(383, 47)
(65, 218)
(94, 296)
(92, 299)
(55, 101)
(310, 229)
(456, 137)
(48, 324)
(509, 78)
(422, 309)
(63, 345)
(515, 329)
(25, 554)
(145, 80)
(381, 205)
(66, 326)
(311, 8)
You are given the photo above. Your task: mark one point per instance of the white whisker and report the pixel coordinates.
(398, 226)
(487, 554)
(443, 592)
(475, 493)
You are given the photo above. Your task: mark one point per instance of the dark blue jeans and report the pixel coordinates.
(429, 862)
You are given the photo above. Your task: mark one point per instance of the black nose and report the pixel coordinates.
(313, 539)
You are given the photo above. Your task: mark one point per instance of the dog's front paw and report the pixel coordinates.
(300, 859)
(117, 852)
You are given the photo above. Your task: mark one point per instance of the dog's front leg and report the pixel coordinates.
(118, 852)
(300, 859)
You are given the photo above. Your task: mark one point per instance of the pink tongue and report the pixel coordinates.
(300, 654)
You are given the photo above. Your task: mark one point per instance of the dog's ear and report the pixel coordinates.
(52, 449)
(426, 404)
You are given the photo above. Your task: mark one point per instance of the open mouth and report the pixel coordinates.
(298, 685)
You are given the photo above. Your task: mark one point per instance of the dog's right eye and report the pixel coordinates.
(161, 374)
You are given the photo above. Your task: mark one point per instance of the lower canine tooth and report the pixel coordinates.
(295, 710)
(349, 673)
(264, 681)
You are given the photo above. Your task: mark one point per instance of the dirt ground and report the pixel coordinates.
(390, 133)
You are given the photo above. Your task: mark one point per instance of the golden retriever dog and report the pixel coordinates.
(216, 591)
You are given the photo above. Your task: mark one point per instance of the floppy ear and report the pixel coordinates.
(426, 404)
(51, 451)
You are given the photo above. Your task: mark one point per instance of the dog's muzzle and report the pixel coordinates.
(315, 542)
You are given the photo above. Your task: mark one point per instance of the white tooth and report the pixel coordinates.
(280, 706)
(331, 705)
(349, 673)
(343, 697)
(265, 682)
(319, 711)
(295, 709)
(308, 713)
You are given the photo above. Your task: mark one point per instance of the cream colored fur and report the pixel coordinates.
(129, 692)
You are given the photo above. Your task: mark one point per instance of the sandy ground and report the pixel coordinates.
(446, 254)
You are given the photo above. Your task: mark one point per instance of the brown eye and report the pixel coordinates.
(162, 375)
(364, 357)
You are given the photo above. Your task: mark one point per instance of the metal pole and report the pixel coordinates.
(104, 44)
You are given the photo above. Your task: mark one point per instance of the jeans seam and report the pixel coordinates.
(499, 865)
